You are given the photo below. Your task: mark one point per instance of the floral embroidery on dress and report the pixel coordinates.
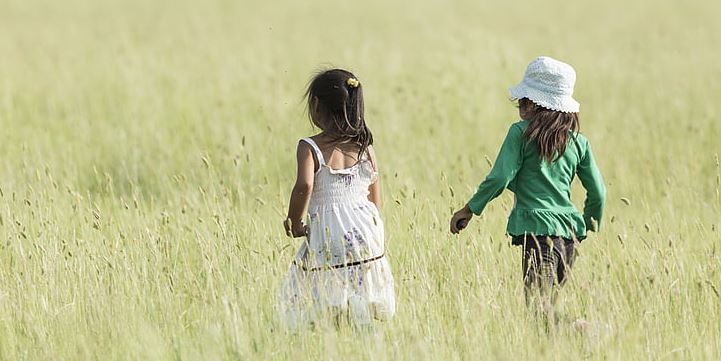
(354, 238)
(347, 179)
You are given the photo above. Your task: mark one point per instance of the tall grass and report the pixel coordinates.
(147, 148)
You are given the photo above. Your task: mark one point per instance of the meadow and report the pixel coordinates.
(147, 156)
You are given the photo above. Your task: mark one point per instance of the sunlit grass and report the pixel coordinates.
(147, 156)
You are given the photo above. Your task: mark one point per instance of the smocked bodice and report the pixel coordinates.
(334, 186)
(348, 185)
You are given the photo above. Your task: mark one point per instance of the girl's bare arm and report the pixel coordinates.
(300, 196)
(374, 190)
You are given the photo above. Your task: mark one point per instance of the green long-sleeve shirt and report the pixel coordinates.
(543, 191)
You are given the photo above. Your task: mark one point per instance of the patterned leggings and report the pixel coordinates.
(546, 262)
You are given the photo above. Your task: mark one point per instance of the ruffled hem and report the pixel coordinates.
(363, 292)
(568, 224)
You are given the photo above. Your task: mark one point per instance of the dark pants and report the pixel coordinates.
(547, 261)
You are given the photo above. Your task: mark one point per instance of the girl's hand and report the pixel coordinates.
(299, 230)
(295, 229)
(460, 219)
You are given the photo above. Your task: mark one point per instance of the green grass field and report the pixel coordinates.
(147, 156)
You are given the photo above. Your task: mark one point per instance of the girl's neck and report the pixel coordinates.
(327, 141)
(331, 139)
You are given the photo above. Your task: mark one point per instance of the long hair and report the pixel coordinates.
(335, 104)
(550, 129)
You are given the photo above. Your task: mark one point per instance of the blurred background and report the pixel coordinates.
(147, 155)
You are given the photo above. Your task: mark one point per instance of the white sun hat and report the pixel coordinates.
(548, 83)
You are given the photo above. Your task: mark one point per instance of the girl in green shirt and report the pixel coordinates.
(539, 158)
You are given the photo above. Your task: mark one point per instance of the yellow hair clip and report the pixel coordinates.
(352, 82)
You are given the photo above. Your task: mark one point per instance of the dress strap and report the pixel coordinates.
(316, 150)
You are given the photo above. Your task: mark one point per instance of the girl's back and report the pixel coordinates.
(543, 189)
(341, 268)
(345, 180)
(549, 183)
(538, 160)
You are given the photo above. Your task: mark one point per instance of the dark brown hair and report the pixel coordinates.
(339, 111)
(550, 129)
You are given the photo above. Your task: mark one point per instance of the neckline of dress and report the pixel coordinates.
(341, 170)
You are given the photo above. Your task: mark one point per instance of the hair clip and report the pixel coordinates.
(352, 82)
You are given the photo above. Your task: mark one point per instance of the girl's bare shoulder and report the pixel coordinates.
(303, 149)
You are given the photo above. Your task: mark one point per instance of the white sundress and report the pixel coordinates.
(341, 266)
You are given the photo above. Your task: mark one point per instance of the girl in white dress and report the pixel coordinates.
(340, 271)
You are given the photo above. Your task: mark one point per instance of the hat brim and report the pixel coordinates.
(561, 103)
